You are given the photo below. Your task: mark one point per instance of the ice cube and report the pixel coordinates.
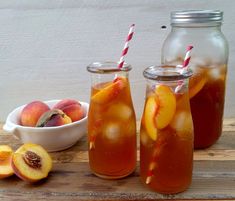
(131, 127)
(120, 111)
(112, 131)
(214, 73)
(145, 139)
(217, 72)
(182, 123)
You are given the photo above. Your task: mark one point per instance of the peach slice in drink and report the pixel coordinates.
(167, 106)
(159, 110)
(110, 91)
(196, 83)
(149, 114)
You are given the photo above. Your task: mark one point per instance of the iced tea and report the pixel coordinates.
(112, 128)
(166, 134)
(207, 92)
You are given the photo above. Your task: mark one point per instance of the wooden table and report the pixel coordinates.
(71, 179)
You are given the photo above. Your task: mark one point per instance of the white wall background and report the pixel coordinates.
(45, 45)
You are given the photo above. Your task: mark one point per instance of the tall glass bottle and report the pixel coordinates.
(111, 121)
(202, 29)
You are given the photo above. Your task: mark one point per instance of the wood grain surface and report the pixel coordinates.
(45, 45)
(71, 179)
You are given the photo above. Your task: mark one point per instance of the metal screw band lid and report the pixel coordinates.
(196, 16)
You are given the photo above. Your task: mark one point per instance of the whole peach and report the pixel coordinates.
(32, 112)
(71, 108)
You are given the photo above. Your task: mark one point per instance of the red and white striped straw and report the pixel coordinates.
(184, 67)
(126, 46)
(187, 56)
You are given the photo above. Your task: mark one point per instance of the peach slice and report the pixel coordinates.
(183, 124)
(5, 161)
(196, 83)
(110, 91)
(31, 162)
(149, 114)
(167, 106)
(159, 110)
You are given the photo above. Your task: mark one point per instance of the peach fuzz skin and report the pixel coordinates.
(71, 108)
(32, 112)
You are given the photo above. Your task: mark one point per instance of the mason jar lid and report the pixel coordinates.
(167, 73)
(196, 16)
(107, 67)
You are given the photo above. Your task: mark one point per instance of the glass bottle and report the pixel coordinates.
(166, 133)
(202, 29)
(111, 121)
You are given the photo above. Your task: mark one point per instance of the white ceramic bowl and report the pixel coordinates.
(51, 138)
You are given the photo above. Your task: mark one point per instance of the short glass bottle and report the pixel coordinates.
(166, 133)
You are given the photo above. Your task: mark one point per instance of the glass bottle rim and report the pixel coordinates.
(196, 17)
(106, 67)
(167, 72)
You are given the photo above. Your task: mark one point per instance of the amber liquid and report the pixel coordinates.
(207, 106)
(171, 153)
(112, 131)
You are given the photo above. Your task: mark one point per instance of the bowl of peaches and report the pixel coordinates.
(55, 124)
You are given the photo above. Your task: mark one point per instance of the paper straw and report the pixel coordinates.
(184, 66)
(126, 46)
(187, 56)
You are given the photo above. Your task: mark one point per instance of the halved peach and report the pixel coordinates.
(5, 161)
(110, 91)
(196, 83)
(167, 106)
(53, 117)
(31, 162)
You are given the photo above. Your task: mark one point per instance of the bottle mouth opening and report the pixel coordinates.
(107, 67)
(197, 16)
(167, 73)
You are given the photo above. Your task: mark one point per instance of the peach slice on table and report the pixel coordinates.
(159, 110)
(31, 162)
(5, 161)
(196, 83)
(110, 91)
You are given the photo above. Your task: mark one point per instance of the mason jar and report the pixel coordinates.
(202, 29)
